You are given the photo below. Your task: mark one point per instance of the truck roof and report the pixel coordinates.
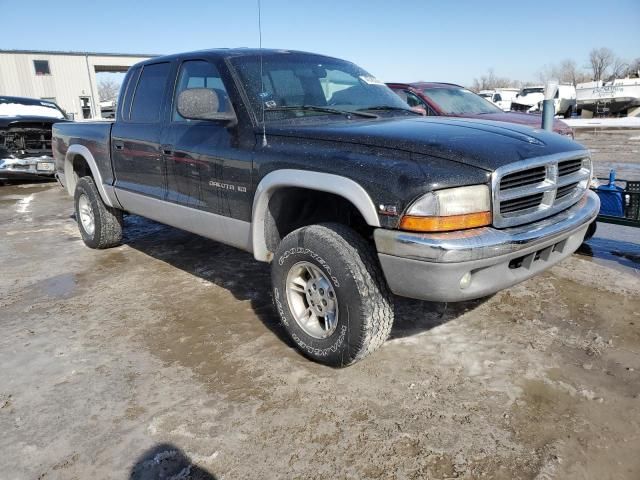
(218, 53)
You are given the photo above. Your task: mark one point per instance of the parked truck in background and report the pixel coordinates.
(317, 167)
(530, 100)
(501, 97)
(25, 137)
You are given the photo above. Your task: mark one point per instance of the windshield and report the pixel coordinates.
(292, 80)
(23, 107)
(459, 101)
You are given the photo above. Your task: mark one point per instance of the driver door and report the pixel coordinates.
(206, 169)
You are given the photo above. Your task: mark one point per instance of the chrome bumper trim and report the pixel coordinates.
(26, 165)
(486, 242)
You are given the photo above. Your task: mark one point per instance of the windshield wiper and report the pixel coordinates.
(389, 108)
(316, 108)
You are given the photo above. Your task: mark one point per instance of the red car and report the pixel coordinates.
(450, 100)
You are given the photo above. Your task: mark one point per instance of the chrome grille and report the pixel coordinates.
(525, 177)
(566, 190)
(569, 166)
(521, 203)
(532, 189)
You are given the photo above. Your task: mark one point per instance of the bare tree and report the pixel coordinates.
(108, 90)
(491, 81)
(570, 73)
(565, 72)
(619, 68)
(601, 60)
(634, 68)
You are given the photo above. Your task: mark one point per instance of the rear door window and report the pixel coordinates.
(149, 94)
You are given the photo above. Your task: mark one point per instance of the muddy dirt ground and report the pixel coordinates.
(163, 358)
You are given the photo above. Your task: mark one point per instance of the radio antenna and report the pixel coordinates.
(264, 128)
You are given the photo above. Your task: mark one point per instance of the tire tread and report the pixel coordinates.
(110, 219)
(362, 262)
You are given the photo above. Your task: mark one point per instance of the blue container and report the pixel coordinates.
(611, 198)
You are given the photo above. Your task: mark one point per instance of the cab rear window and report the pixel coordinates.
(149, 94)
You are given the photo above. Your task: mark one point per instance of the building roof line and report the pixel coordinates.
(93, 54)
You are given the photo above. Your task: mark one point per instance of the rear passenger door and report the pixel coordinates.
(136, 152)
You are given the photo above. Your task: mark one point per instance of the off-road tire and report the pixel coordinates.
(364, 301)
(107, 220)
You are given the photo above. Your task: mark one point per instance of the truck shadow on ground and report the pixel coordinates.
(28, 181)
(625, 253)
(247, 279)
(167, 461)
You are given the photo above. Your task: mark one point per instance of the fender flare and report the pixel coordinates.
(324, 182)
(106, 191)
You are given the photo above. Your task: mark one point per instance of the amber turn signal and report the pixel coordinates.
(445, 224)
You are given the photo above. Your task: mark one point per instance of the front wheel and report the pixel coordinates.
(330, 294)
(100, 225)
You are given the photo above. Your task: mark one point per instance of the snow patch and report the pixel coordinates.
(45, 109)
(22, 206)
(623, 122)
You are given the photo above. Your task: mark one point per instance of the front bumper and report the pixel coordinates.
(29, 167)
(431, 266)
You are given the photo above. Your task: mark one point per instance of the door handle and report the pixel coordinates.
(118, 145)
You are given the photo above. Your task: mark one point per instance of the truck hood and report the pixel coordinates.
(6, 121)
(483, 144)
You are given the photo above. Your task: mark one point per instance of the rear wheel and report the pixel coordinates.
(330, 294)
(100, 225)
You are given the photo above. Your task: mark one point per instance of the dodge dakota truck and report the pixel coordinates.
(314, 165)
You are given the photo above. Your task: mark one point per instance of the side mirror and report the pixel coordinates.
(204, 104)
(419, 109)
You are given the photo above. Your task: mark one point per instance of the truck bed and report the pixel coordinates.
(94, 136)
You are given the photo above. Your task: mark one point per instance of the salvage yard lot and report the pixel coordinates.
(165, 354)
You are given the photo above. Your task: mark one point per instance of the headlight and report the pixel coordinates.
(449, 209)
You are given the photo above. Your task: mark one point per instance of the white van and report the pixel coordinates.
(502, 97)
(564, 102)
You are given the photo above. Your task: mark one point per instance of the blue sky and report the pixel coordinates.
(403, 41)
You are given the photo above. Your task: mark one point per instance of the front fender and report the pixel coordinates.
(324, 182)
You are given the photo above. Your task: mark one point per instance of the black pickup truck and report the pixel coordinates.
(315, 166)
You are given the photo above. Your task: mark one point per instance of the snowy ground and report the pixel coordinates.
(624, 122)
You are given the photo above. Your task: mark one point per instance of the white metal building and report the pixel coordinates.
(67, 78)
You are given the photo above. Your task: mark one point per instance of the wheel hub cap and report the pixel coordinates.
(312, 300)
(86, 214)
